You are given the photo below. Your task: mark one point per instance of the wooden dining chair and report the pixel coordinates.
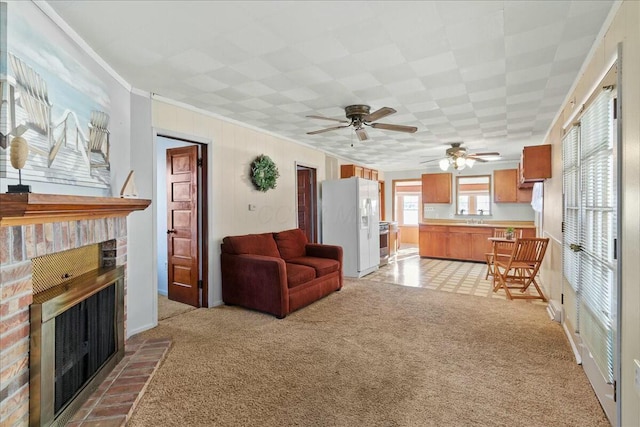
(519, 270)
(504, 249)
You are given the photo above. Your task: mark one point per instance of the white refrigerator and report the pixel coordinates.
(350, 218)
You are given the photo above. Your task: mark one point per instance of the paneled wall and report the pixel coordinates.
(624, 28)
(232, 148)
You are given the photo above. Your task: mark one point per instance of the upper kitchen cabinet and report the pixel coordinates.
(535, 164)
(506, 188)
(347, 171)
(436, 188)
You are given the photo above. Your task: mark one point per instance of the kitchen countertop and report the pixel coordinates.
(486, 224)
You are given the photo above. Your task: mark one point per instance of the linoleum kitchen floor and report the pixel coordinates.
(468, 278)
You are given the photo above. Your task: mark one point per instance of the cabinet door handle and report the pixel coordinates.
(171, 231)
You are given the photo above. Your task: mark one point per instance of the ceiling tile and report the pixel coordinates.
(485, 72)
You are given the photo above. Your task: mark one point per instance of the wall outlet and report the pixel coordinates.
(636, 366)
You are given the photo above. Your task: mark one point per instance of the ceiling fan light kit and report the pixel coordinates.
(359, 116)
(457, 157)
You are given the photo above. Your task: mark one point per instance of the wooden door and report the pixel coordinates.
(182, 224)
(307, 206)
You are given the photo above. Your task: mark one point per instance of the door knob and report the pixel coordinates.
(575, 248)
(171, 231)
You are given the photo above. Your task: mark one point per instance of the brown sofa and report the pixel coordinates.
(278, 273)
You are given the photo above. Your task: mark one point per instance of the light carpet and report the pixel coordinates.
(168, 308)
(372, 354)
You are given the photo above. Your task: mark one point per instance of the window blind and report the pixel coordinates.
(571, 214)
(597, 232)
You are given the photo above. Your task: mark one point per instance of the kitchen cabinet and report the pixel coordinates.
(535, 163)
(460, 242)
(480, 245)
(436, 188)
(347, 171)
(506, 188)
(433, 241)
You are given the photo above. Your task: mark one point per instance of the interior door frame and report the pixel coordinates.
(316, 197)
(206, 192)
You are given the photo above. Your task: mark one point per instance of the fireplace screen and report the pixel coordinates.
(77, 337)
(85, 339)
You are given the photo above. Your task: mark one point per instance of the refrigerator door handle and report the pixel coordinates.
(370, 214)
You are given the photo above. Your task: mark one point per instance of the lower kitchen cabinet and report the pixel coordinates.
(466, 243)
(433, 241)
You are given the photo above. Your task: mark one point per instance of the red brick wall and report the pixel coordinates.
(18, 245)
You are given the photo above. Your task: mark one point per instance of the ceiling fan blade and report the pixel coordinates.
(328, 118)
(483, 154)
(397, 128)
(315, 132)
(432, 160)
(362, 134)
(478, 159)
(378, 114)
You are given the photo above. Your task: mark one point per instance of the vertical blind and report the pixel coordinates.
(590, 222)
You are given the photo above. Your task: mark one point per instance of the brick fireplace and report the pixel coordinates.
(33, 226)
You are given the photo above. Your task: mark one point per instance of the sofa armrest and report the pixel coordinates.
(324, 251)
(255, 281)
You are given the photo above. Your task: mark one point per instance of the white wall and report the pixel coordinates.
(499, 211)
(232, 148)
(141, 260)
(162, 145)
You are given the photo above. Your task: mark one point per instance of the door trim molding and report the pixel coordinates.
(207, 292)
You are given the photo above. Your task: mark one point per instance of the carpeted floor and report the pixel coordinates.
(373, 354)
(168, 308)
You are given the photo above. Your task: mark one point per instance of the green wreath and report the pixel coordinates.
(264, 173)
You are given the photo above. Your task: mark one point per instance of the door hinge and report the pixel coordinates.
(562, 227)
(615, 248)
(561, 298)
(199, 161)
(615, 391)
(199, 284)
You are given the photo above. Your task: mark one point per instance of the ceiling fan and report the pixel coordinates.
(458, 157)
(360, 116)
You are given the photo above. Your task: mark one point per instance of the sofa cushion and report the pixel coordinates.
(298, 274)
(323, 266)
(254, 244)
(291, 243)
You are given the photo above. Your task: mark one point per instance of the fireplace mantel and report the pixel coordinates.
(32, 208)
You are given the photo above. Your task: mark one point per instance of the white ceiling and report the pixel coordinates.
(491, 74)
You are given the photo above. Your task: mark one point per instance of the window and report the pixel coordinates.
(407, 202)
(410, 209)
(473, 195)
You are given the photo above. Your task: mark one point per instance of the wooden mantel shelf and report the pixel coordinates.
(31, 208)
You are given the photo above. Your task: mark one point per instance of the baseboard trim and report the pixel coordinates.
(554, 309)
(143, 328)
(572, 343)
